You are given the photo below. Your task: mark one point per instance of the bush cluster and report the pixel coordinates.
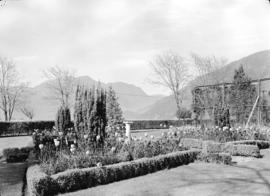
(71, 180)
(212, 147)
(16, 154)
(224, 134)
(243, 150)
(54, 161)
(23, 127)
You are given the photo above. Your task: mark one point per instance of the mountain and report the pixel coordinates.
(132, 99)
(256, 66)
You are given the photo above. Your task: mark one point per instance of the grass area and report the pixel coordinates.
(155, 132)
(12, 142)
(250, 177)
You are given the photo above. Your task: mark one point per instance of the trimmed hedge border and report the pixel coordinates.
(20, 128)
(243, 150)
(71, 180)
(260, 143)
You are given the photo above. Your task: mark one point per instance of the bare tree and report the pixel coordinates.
(207, 68)
(205, 65)
(28, 112)
(61, 84)
(11, 90)
(171, 71)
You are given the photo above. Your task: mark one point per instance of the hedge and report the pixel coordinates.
(71, 180)
(17, 128)
(212, 147)
(260, 143)
(243, 150)
(16, 154)
(189, 143)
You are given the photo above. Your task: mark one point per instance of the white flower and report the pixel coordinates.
(72, 150)
(146, 135)
(60, 133)
(75, 141)
(57, 143)
(40, 146)
(72, 146)
(161, 125)
(152, 137)
(113, 149)
(98, 137)
(85, 136)
(87, 152)
(99, 164)
(116, 134)
(140, 138)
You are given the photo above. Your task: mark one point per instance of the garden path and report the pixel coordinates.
(249, 176)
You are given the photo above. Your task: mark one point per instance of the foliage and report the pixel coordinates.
(183, 113)
(90, 114)
(23, 127)
(224, 134)
(243, 95)
(243, 150)
(224, 158)
(114, 114)
(63, 120)
(222, 117)
(76, 179)
(16, 154)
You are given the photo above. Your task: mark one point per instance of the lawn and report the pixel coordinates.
(247, 177)
(154, 132)
(12, 142)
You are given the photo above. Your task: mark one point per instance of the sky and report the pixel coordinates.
(115, 40)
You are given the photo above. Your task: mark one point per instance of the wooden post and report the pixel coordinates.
(259, 102)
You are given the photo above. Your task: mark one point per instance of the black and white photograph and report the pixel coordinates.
(134, 97)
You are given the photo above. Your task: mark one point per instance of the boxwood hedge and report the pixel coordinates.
(71, 180)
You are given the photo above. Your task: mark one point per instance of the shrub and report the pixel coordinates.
(224, 158)
(16, 155)
(76, 179)
(63, 121)
(211, 147)
(260, 143)
(243, 150)
(38, 183)
(23, 127)
(191, 143)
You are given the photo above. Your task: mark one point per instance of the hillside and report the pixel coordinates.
(256, 66)
(131, 98)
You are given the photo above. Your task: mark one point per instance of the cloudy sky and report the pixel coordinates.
(115, 40)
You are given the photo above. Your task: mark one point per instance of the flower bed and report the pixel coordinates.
(71, 180)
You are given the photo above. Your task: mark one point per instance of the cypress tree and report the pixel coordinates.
(63, 120)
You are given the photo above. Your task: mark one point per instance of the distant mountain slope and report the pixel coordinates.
(256, 66)
(131, 98)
